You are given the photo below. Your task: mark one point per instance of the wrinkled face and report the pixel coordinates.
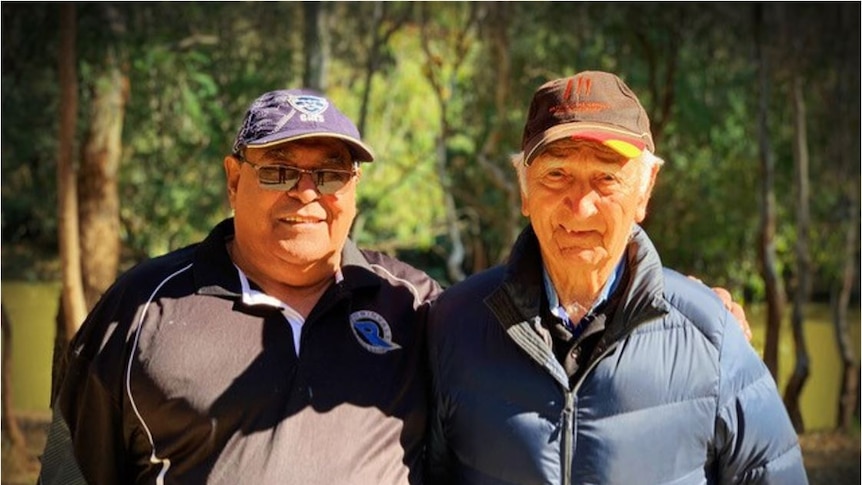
(281, 231)
(582, 200)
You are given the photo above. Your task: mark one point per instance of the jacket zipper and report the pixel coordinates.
(593, 365)
(569, 417)
(568, 437)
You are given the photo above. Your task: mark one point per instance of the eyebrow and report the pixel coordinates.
(333, 156)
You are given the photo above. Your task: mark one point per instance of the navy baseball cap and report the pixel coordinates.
(293, 114)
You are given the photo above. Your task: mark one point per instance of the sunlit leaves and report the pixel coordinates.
(195, 67)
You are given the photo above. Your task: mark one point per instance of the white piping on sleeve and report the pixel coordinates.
(416, 300)
(154, 459)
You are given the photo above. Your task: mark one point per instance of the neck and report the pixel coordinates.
(577, 291)
(300, 298)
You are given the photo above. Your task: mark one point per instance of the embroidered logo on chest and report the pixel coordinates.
(372, 331)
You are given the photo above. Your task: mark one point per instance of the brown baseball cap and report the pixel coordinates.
(592, 105)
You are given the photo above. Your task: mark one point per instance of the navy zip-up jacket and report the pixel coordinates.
(674, 393)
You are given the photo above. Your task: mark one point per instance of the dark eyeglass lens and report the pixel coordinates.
(285, 178)
(330, 182)
(274, 176)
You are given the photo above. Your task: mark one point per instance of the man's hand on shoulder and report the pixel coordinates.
(735, 308)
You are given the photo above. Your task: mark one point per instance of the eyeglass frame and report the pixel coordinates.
(313, 172)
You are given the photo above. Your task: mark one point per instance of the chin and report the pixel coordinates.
(586, 257)
(305, 252)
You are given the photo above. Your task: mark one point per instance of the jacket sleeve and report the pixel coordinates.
(437, 454)
(755, 442)
(85, 442)
(59, 466)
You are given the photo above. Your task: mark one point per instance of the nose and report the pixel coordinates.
(581, 201)
(305, 189)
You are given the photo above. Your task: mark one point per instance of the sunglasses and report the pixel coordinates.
(285, 177)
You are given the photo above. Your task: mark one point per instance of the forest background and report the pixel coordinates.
(116, 118)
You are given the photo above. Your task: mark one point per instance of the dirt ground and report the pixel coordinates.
(830, 458)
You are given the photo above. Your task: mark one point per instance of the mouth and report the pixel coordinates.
(299, 220)
(579, 238)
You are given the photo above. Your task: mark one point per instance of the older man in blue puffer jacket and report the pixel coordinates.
(583, 360)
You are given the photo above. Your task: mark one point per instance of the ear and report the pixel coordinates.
(645, 195)
(231, 169)
(525, 210)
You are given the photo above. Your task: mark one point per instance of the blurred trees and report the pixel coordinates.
(101, 149)
(73, 306)
(441, 91)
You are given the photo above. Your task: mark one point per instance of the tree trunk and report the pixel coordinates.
(803, 259)
(11, 429)
(383, 26)
(61, 342)
(73, 306)
(848, 400)
(16, 457)
(848, 115)
(314, 46)
(442, 82)
(97, 180)
(456, 254)
(496, 164)
(371, 62)
(379, 39)
(774, 287)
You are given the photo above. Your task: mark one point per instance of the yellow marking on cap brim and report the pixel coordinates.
(624, 148)
(624, 143)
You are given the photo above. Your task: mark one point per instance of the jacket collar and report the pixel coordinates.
(523, 281)
(642, 286)
(642, 289)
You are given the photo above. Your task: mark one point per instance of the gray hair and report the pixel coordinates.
(646, 157)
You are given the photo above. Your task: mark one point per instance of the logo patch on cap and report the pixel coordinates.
(372, 331)
(311, 107)
(576, 98)
(591, 105)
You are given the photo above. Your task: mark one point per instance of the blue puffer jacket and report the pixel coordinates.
(677, 394)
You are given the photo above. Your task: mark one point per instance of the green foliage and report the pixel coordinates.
(29, 145)
(399, 196)
(193, 68)
(172, 168)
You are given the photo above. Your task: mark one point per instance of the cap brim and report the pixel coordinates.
(361, 151)
(626, 143)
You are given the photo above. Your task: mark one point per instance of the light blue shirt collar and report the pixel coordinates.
(554, 299)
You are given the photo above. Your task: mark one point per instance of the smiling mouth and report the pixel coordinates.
(579, 238)
(299, 220)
